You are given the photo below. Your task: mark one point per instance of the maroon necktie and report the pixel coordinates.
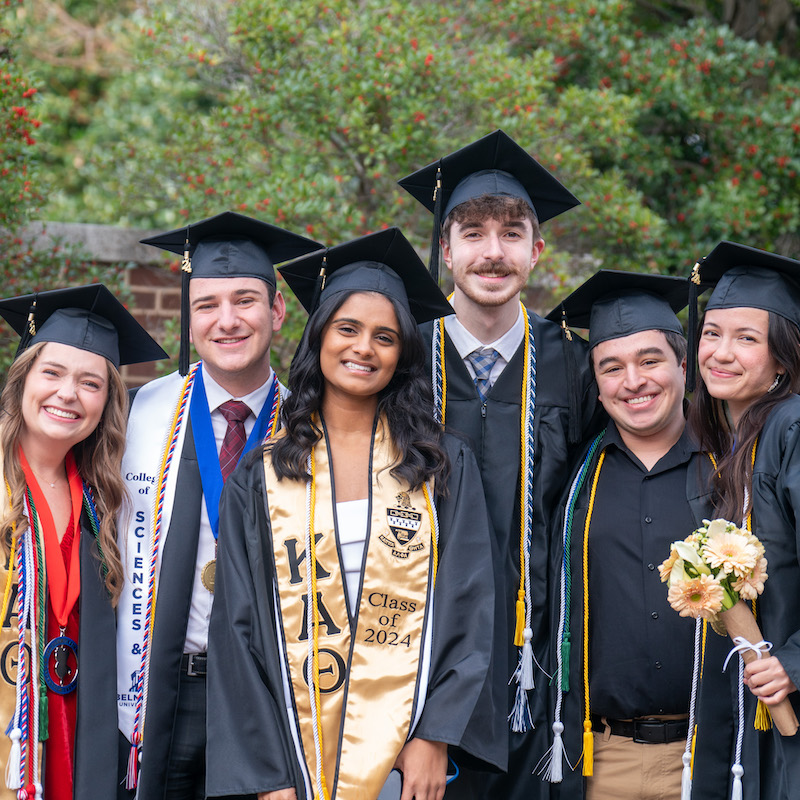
(236, 412)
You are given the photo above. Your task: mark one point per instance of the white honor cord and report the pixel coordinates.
(741, 646)
(686, 776)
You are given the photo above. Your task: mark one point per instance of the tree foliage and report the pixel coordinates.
(675, 122)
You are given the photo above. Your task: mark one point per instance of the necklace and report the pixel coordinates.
(51, 484)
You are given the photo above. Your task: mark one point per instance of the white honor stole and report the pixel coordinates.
(149, 441)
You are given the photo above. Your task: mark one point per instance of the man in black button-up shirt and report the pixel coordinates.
(643, 489)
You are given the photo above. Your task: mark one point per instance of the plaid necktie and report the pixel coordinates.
(482, 361)
(236, 412)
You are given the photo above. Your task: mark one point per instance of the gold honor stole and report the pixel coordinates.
(9, 639)
(368, 665)
(9, 649)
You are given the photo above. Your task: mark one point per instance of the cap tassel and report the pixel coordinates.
(433, 263)
(763, 720)
(691, 365)
(30, 329)
(186, 271)
(321, 280)
(574, 423)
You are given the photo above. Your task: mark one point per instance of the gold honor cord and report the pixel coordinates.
(10, 576)
(321, 785)
(588, 741)
(524, 475)
(526, 469)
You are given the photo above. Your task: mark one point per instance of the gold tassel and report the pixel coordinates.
(763, 721)
(519, 638)
(588, 749)
(694, 742)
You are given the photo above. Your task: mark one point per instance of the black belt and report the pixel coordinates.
(194, 664)
(645, 731)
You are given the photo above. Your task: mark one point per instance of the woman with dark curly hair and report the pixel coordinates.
(746, 414)
(376, 659)
(62, 433)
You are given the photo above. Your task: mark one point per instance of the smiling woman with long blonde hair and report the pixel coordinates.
(62, 432)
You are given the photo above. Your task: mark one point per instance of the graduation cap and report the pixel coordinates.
(613, 304)
(383, 262)
(493, 165)
(743, 277)
(228, 245)
(87, 317)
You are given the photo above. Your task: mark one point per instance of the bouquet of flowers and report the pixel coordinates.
(710, 574)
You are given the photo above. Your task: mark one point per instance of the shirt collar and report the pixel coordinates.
(254, 401)
(679, 453)
(465, 343)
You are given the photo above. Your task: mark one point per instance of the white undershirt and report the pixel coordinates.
(200, 609)
(465, 343)
(351, 519)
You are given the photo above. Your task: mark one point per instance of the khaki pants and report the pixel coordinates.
(628, 770)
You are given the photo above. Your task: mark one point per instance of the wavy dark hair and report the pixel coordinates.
(711, 425)
(406, 404)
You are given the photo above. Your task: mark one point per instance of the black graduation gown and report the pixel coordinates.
(169, 634)
(699, 499)
(96, 720)
(250, 747)
(493, 431)
(771, 761)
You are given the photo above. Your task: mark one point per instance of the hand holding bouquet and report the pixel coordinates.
(710, 574)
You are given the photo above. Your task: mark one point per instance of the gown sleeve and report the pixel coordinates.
(249, 747)
(465, 704)
(785, 561)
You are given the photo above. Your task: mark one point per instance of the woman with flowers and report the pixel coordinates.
(62, 429)
(746, 414)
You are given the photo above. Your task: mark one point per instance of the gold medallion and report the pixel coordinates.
(208, 575)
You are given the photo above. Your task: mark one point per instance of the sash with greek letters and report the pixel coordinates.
(373, 667)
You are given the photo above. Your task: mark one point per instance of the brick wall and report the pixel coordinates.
(156, 297)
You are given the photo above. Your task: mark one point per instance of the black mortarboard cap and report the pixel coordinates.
(228, 245)
(613, 304)
(383, 262)
(87, 317)
(493, 165)
(744, 277)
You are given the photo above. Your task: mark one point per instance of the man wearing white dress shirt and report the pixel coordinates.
(186, 433)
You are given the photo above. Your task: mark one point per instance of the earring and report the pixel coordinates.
(775, 383)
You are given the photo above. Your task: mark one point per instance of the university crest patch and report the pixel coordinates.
(404, 522)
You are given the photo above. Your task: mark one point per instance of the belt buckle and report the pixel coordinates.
(190, 671)
(651, 726)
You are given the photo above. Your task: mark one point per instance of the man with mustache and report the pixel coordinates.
(517, 388)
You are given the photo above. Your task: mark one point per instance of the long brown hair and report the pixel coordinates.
(98, 459)
(712, 427)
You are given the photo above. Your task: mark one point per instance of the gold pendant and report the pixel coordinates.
(208, 575)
